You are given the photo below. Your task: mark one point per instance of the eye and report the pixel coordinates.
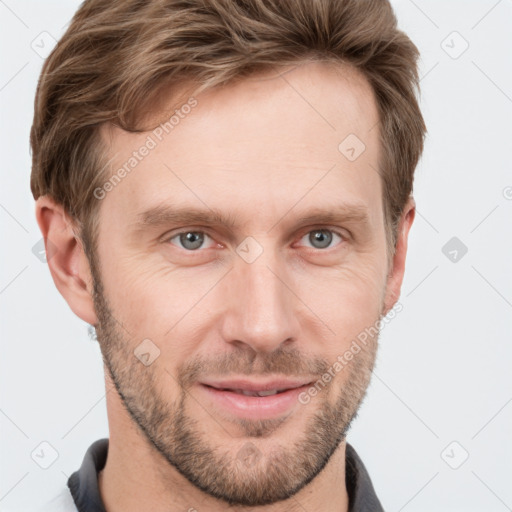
(321, 238)
(194, 240)
(189, 240)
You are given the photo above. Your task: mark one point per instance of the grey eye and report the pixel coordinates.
(321, 238)
(190, 240)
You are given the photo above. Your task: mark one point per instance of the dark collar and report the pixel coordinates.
(83, 483)
(361, 494)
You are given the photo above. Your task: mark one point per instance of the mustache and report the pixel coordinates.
(283, 362)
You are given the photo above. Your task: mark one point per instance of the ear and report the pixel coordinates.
(66, 258)
(397, 264)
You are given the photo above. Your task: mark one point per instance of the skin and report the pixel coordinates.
(258, 151)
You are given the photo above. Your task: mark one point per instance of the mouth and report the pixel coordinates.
(255, 403)
(247, 392)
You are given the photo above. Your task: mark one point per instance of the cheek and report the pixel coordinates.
(156, 300)
(349, 295)
(160, 302)
(349, 302)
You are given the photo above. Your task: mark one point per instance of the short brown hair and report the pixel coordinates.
(117, 55)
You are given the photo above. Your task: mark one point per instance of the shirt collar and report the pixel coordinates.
(84, 488)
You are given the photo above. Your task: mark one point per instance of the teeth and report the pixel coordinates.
(267, 393)
(256, 393)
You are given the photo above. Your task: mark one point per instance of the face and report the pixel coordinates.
(245, 248)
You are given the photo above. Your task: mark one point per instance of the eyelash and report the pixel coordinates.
(168, 238)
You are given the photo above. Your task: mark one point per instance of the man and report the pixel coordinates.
(224, 188)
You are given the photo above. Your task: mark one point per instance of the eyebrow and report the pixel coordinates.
(166, 215)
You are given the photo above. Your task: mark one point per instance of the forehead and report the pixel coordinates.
(302, 136)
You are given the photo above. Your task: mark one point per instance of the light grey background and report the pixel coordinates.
(443, 370)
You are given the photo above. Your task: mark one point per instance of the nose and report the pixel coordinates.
(261, 309)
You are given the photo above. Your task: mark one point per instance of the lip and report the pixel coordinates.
(251, 385)
(255, 407)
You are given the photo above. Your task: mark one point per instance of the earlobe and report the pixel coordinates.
(66, 258)
(397, 268)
